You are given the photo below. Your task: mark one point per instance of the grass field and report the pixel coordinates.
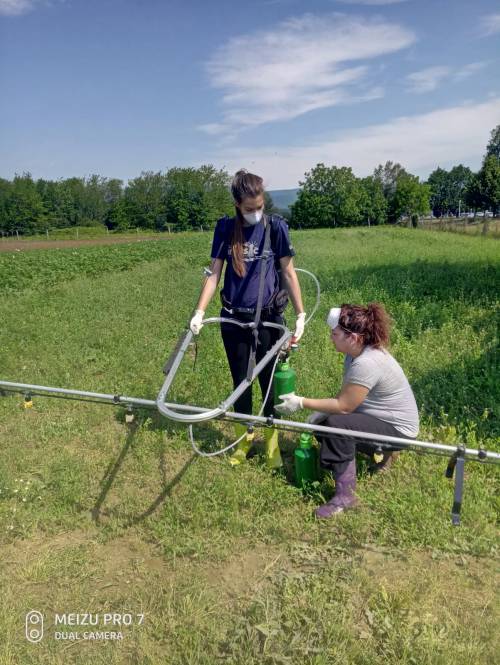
(229, 566)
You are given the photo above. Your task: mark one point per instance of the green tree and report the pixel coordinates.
(493, 147)
(439, 190)
(145, 201)
(489, 177)
(329, 196)
(217, 198)
(474, 196)
(373, 201)
(94, 203)
(269, 206)
(388, 175)
(410, 199)
(185, 204)
(24, 209)
(116, 212)
(458, 181)
(117, 218)
(197, 197)
(5, 192)
(74, 196)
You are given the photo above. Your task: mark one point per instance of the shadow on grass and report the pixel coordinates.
(163, 494)
(464, 394)
(443, 282)
(112, 471)
(113, 468)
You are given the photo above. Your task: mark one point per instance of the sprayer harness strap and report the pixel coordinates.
(262, 276)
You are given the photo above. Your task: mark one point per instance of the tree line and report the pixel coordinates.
(334, 196)
(187, 198)
(180, 198)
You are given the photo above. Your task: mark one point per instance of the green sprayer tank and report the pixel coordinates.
(306, 464)
(284, 380)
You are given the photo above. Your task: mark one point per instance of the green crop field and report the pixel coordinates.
(228, 565)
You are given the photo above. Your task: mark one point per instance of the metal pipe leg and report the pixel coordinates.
(458, 492)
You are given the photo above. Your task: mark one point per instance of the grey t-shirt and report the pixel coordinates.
(390, 396)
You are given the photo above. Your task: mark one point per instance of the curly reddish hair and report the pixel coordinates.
(372, 322)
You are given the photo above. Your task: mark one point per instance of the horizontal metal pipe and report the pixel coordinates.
(30, 387)
(470, 453)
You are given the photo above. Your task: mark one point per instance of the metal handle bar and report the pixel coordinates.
(174, 363)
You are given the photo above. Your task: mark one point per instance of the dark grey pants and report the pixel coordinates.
(237, 343)
(337, 450)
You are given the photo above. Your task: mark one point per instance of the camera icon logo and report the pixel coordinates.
(34, 626)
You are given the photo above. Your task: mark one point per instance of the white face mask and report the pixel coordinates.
(253, 217)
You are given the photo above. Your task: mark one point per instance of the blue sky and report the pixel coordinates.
(116, 87)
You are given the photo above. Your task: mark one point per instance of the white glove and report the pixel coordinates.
(299, 326)
(316, 417)
(196, 322)
(291, 403)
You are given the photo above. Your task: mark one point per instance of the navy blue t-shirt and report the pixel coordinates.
(243, 291)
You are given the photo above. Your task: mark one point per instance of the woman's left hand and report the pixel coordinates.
(299, 326)
(291, 403)
(316, 417)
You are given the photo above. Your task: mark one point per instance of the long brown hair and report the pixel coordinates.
(244, 185)
(372, 322)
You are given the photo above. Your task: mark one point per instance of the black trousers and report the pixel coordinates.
(337, 450)
(237, 343)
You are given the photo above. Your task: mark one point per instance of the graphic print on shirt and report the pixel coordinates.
(250, 251)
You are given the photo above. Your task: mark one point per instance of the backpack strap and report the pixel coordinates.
(260, 297)
(262, 270)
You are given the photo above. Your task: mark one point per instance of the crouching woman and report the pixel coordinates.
(375, 397)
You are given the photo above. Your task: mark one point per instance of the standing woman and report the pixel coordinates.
(240, 242)
(375, 397)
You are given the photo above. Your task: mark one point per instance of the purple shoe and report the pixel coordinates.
(345, 486)
(333, 508)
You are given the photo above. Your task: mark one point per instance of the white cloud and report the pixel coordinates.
(420, 143)
(427, 79)
(469, 70)
(490, 24)
(299, 66)
(15, 7)
(18, 7)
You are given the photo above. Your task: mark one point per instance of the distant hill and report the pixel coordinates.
(283, 198)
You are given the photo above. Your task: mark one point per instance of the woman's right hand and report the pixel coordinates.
(195, 324)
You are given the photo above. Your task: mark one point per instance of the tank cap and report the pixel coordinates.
(305, 440)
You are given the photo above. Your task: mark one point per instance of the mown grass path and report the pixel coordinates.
(229, 565)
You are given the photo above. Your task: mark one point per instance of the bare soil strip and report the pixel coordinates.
(22, 245)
